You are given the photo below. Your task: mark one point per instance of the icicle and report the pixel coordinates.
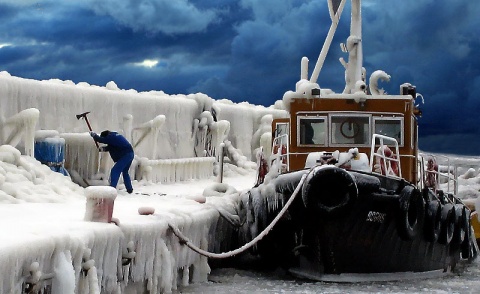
(93, 281)
(88, 267)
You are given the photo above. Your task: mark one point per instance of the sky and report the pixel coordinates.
(248, 50)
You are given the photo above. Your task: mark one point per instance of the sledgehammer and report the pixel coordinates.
(84, 115)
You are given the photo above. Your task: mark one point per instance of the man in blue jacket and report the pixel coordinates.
(121, 152)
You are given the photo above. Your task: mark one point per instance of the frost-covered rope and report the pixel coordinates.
(190, 245)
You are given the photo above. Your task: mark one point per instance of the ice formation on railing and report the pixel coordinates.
(18, 125)
(262, 138)
(150, 131)
(175, 170)
(204, 143)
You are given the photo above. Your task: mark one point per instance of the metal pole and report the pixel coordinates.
(220, 154)
(326, 45)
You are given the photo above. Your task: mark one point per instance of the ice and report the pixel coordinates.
(64, 279)
(148, 130)
(373, 82)
(20, 125)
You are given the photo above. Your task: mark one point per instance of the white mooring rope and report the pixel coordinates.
(190, 245)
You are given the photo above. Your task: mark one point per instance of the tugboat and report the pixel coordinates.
(357, 202)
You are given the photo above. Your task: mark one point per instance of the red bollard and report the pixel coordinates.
(100, 202)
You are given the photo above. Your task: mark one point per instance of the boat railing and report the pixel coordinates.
(383, 160)
(280, 151)
(440, 170)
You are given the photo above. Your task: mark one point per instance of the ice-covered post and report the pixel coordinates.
(353, 72)
(128, 126)
(100, 201)
(158, 121)
(151, 127)
(304, 69)
(22, 123)
(220, 160)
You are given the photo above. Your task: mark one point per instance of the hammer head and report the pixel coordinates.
(79, 116)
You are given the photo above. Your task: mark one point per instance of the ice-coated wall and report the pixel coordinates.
(125, 110)
(60, 101)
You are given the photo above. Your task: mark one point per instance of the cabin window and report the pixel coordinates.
(391, 127)
(311, 130)
(353, 130)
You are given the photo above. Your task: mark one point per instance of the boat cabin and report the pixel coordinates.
(339, 122)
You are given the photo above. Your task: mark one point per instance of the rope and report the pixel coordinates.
(230, 219)
(186, 241)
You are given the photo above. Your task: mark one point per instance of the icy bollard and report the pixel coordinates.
(100, 201)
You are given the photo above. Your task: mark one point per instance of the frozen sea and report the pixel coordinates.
(465, 279)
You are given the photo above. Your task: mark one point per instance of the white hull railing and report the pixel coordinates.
(440, 171)
(280, 154)
(18, 126)
(383, 163)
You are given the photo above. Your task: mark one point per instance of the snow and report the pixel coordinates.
(102, 192)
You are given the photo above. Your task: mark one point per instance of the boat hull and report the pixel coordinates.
(376, 236)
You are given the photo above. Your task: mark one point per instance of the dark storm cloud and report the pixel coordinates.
(166, 16)
(249, 50)
(436, 44)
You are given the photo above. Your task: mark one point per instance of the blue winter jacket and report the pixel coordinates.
(117, 145)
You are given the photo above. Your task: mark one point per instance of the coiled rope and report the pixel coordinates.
(186, 241)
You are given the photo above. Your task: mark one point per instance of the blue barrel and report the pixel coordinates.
(51, 152)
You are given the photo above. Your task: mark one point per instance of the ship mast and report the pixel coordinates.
(353, 69)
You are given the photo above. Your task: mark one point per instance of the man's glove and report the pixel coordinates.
(93, 134)
(102, 149)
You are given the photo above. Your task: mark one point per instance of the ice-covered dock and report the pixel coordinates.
(45, 242)
(48, 245)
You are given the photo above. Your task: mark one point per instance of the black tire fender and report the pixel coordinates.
(433, 221)
(448, 224)
(411, 213)
(329, 190)
(467, 245)
(461, 224)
